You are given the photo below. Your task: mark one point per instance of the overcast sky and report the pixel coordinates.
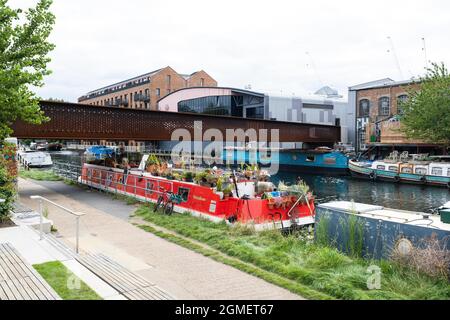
(279, 46)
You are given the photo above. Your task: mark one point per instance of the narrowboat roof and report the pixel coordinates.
(393, 215)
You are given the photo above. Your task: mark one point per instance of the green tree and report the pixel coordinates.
(24, 48)
(426, 112)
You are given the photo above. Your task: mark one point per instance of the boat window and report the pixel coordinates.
(392, 168)
(420, 171)
(330, 160)
(436, 171)
(407, 170)
(448, 172)
(184, 193)
(310, 158)
(381, 167)
(109, 178)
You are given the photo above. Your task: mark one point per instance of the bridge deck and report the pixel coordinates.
(78, 121)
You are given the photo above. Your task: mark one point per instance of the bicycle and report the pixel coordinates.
(167, 201)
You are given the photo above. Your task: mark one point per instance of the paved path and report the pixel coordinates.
(179, 271)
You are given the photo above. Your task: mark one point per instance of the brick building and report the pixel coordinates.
(143, 92)
(377, 105)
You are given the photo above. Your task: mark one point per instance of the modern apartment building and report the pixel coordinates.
(143, 92)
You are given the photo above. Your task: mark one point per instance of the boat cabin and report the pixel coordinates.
(439, 169)
(386, 166)
(406, 168)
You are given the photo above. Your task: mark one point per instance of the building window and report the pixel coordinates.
(384, 106)
(158, 92)
(202, 82)
(217, 105)
(364, 107)
(168, 78)
(400, 100)
(255, 113)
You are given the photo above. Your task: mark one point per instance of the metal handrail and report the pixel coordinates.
(41, 212)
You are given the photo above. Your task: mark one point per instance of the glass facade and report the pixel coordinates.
(216, 105)
(255, 113)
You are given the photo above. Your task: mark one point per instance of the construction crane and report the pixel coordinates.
(394, 54)
(424, 49)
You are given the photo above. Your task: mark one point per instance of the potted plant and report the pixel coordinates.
(227, 192)
(187, 176)
(219, 184)
(177, 176)
(211, 179)
(200, 177)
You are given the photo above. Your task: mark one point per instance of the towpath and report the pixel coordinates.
(181, 272)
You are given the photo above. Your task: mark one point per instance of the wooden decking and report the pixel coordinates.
(124, 281)
(127, 283)
(19, 280)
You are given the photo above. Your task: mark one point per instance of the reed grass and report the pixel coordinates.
(292, 259)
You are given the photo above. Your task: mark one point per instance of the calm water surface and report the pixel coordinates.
(390, 195)
(328, 188)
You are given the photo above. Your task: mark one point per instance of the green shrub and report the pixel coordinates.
(7, 191)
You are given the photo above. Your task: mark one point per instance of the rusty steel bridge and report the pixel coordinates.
(69, 121)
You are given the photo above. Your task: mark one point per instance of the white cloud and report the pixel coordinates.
(262, 43)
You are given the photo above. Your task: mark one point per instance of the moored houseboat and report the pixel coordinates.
(433, 170)
(322, 160)
(212, 193)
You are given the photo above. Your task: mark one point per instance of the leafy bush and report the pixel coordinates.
(7, 190)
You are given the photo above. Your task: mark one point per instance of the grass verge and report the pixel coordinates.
(42, 175)
(64, 282)
(295, 263)
(248, 268)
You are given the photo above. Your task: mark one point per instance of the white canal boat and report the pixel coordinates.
(434, 170)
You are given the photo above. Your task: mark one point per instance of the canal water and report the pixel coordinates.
(329, 188)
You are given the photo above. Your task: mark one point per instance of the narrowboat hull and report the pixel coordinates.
(363, 172)
(333, 162)
(198, 200)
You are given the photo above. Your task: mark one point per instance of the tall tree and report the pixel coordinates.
(426, 112)
(24, 49)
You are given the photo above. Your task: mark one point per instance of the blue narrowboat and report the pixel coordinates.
(298, 160)
(378, 232)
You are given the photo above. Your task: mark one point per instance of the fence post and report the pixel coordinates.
(41, 212)
(77, 234)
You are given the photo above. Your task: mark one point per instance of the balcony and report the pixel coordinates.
(141, 97)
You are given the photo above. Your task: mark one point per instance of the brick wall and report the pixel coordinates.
(389, 132)
(161, 83)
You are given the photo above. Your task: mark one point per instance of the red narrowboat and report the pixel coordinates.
(243, 205)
